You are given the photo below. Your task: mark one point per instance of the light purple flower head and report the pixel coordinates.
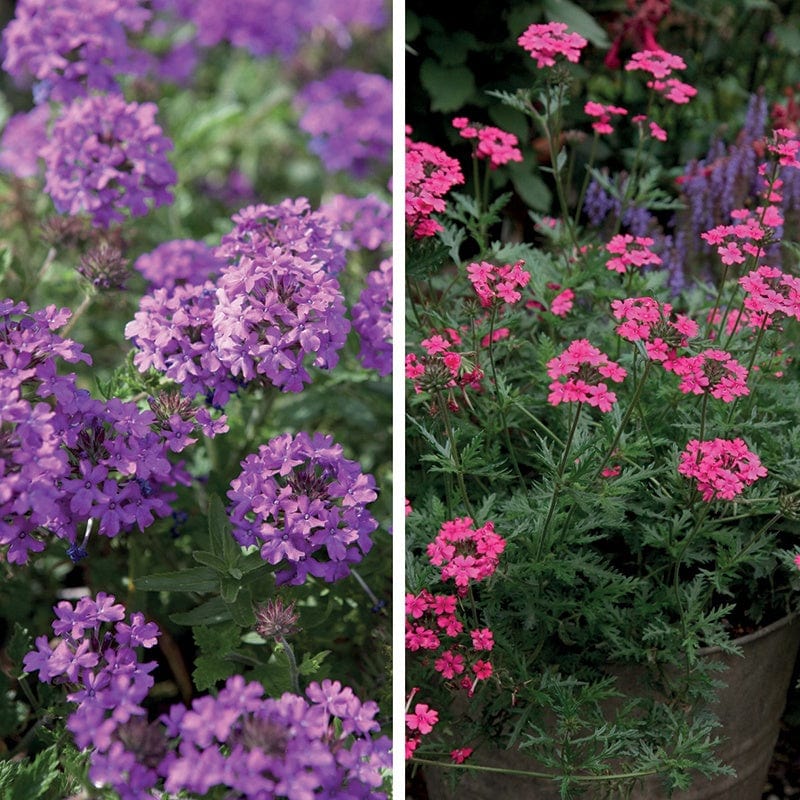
(23, 137)
(291, 226)
(305, 505)
(105, 155)
(275, 313)
(73, 46)
(372, 320)
(348, 115)
(362, 222)
(177, 262)
(173, 333)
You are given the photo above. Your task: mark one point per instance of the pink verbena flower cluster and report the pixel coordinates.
(603, 114)
(630, 251)
(545, 42)
(646, 320)
(721, 467)
(714, 372)
(493, 143)
(498, 284)
(786, 146)
(430, 174)
(583, 367)
(771, 293)
(659, 63)
(465, 553)
(674, 90)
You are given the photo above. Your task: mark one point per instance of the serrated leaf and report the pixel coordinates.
(241, 610)
(195, 579)
(20, 644)
(219, 527)
(310, 664)
(448, 87)
(275, 675)
(209, 613)
(26, 780)
(210, 670)
(216, 639)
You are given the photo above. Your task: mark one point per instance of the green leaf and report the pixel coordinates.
(209, 613)
(241, 609)
(216, 639)
(448, 87)
(25, 780)
(19, 645)
(205, 122)
(210, 670)
(310, 665)
(229, 589)
(210, 560)
(195, 579)
(219, 526)
(577, 20)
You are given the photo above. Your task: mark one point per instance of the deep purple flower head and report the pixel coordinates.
(70, 464)
(305, 505)
(362, 222)
(291, 226)
(73, 46)
(173, 334)
(372, 320)
(105, 155)
(348, 115)
(23, 137)
(179, 261)
(275, 313)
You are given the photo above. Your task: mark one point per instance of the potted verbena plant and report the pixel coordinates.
(603, 473)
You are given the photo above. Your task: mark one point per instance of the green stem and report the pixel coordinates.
(294, 673)
(500, 405)
(78, 313)
(557, 485)
(625, 417)
(454, 453)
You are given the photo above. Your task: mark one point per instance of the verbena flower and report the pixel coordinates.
(498, 284)
(360, 222)
(105, 155)
(177, 262)
(721, 467)
(348, 115)
(173, 333)
(291, 226)
(305, 506)
(714, 372)
(547, 41)
(630, 251)
(23, 137)
(430, 174)
(494, 144)
(659, 63)
(372, 320)
(603, 114)
(583, 367)
(73, 47)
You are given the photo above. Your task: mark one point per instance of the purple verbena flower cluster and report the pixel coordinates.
(105, 154)
(23, 137)
(305, 505)
(372, 320)
(290, 226)
(173, 333)
(322, 745)
(177, 262)
(96, 656)
(75, 46)
(66, 459)
(362, 222)
(348, 115)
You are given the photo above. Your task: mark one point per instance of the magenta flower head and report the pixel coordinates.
(372, 320)
(73, 46)
(721, 467)
(545, 42)
(578, 375)
(23, 138)
(305, 505)
(106, 155)
(348, 115)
